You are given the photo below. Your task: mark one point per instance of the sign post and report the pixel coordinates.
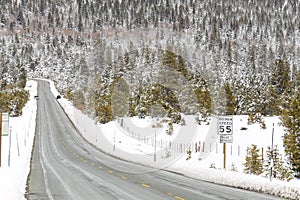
(225, 130)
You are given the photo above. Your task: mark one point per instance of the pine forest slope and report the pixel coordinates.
(234, 57)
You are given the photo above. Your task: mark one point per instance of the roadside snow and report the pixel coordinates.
(14, 172)
(289, 190)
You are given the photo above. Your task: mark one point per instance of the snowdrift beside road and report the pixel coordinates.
(16, 159)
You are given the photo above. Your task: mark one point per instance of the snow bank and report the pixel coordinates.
(16, 159)
(290, 190)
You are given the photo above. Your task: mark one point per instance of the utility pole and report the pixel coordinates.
(0, 136)
(272, 162)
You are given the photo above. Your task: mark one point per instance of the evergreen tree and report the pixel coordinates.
(119, 98)
(274, 160)
(22, 78)
(291, 121)
(103, 100)
(271, 108)
(204, 98)
(253, 164)
(226, 103)
(230, 100)
(159, 95)
(279, 84)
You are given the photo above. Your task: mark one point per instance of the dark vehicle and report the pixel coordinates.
(36, 97)
(58, 97)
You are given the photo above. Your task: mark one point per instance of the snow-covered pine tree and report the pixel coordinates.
(120, 98)
(233, 168)
(253, 162)
(271, 106)
(279, 83)
(204, 99)
(230, 100)
(274, 160)
(285, 172)
(290, 119)
(22, 78)
(103, 99)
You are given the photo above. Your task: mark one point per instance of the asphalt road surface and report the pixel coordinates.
(65, 166)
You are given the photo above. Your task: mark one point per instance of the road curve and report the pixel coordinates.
(64, 166)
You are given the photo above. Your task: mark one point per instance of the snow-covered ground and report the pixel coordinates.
(145, 141)
(15, 164)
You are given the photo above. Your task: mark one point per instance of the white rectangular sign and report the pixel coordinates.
(226, 138)
(5, 124)
(225, 125)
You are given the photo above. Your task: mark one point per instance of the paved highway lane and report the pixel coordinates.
(65, 166)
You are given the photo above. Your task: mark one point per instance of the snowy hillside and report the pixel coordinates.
(85, 42)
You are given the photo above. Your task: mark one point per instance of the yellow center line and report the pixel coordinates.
(82, 159)
(170, 194)
(178, 197)
(100, 167)
(124, 177)
(109, 171)
(145, 185)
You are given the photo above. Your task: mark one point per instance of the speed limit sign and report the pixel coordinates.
(225, 125)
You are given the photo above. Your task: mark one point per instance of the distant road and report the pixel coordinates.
(65, 166)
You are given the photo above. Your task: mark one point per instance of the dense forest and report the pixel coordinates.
(161, 57)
